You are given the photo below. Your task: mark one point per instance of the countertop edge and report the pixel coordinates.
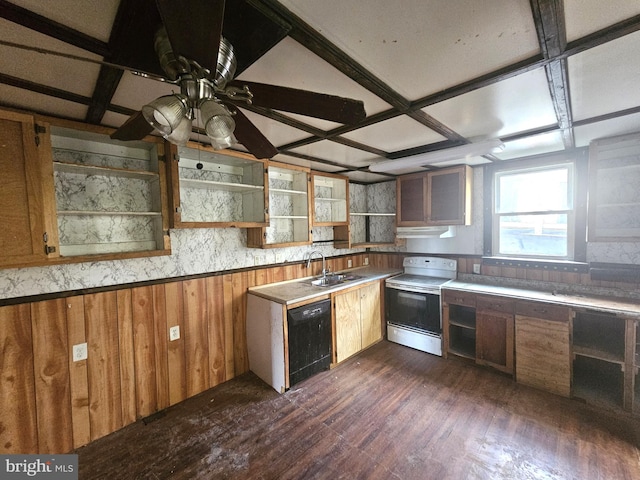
(614, 305)
(272, 291)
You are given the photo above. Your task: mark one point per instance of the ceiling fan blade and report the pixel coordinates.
(194, 28)
(135, 128)
(311, 104)
(249, 136)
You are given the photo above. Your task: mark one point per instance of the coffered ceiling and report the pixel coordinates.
(540, 75)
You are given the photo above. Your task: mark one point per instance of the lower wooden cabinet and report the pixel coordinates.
(479, 327)
(357, 319)
(543, 346)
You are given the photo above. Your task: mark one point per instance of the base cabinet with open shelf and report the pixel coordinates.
(216, 189)
(600, 359)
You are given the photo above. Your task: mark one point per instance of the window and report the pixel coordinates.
(533, 214)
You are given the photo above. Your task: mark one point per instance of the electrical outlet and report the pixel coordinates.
(366, 260)
(278, 258)
(256, 260)
(349, 263)
(476, 268)
(174, 333)
(79, 352)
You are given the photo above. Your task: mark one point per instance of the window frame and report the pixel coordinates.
(576, 226)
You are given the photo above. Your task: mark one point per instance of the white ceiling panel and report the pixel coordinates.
(53, 71)
(607, 128)
(535, 145)
(604, 79)
(395, 134)
(135, 91)
(517, 104)
(91, 17)
(289, 64)
(39, 103)
(583, 17)
(419, 47)
(336, 152)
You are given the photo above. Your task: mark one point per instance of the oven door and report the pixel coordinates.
(414, 310)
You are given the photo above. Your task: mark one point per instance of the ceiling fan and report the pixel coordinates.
(195, 56)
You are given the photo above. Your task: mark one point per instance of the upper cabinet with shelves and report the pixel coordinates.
(110, 195)
(372, 217)
(331, 199)
(438, 197)
(614, 200)
(289, 209)
(215, 189)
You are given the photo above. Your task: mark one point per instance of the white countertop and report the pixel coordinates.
(300, 289)
(615, 305)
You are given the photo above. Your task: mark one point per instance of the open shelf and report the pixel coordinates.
(462, 316)
(224, 186)
(462, 341)
(599, 336)
(108, 213)
(597, 381)
(82, 169)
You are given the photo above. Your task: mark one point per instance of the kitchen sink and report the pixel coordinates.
(334, 279)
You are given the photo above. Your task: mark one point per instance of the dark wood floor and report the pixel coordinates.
(389, 413)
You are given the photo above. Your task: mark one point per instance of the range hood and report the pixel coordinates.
(426, 232)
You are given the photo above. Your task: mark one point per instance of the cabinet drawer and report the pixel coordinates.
(457, 297)
(496, 304)
(547, 311)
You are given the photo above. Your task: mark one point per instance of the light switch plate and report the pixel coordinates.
(174, 333)
(79, 352)
(366, 260)
(476, 268)
(349, 263)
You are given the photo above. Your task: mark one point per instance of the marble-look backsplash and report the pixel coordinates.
(194, 251)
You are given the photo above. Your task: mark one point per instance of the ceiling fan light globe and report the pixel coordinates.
(165, 113)
(181, 135)
(220, 143)
(218, 122)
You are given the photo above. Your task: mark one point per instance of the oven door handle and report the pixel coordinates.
(404, 288)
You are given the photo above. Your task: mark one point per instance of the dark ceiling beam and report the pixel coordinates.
(359, 146)
(48, 27)
(123, 49)
(548, 16)
(43, 89)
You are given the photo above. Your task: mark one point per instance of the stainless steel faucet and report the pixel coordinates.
(325, 270)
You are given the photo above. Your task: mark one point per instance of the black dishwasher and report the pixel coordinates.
(309, 340)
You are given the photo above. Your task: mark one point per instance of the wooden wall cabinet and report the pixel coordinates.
(543, 346)
(432, 198)
(330, 199)
(614, 197)
(71, 194)
(288, 209)
(216, 189)
(110, 195)
(29, 233)
(357, 319)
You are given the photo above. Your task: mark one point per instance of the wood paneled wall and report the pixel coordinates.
(51, 404)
